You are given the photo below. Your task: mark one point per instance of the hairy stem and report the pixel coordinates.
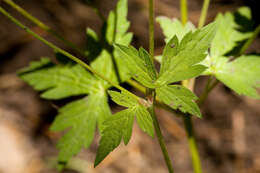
(57, 49)
(184, 12)
(203, 14)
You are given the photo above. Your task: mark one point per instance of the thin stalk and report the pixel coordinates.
(60, 37)
(192, 144)
(184, 12)
(43, 26)
(187, 118)
(203, 14)
(57, 49)
(160, 137)
(249, 41)
(195, 157)
(207, 90)
(151, 95)
(151, 28)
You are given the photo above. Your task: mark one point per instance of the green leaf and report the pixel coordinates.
(241, 75)
(107, 60)
(123, 99)
(94, 47)
(172, 27)
(117, 25)
(58, 81)
(233, 29)
(144, 119)
(81, 118)
(180, 60)
(117, 127)
(104, 65)
(36, 65)
(179, 97)
(139, 64)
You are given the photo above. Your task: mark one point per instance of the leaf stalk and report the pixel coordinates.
(151, 95)
(57, 49)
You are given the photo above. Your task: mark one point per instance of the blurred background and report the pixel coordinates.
(228, 135)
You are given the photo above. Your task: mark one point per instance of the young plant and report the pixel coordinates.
(216, 50)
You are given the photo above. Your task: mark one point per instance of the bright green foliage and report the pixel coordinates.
(123, 99)
(241, 75)
(81, 118)
(179, 97)
(110, 55)
(117, 25)
(139, 64)
(172, 27)
(180, 60)
(233, 29)
(119, 126)
(34, 65)
(144, 119)
(58, 81)
(100, 50)
(68, 79)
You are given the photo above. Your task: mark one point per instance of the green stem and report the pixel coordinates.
(60, 37)
(192, 144)
(184, 12)
(57, 49)
(43, 26)
(151, 95)
(249, 41)
(203, 14)
(209, 87)
(160, 137)
(187, 118)
(151, 28)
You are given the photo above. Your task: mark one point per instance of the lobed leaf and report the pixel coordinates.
(180, 60)
(81, 118)
(105, 59)
(137, 108)
(179, 97)
(139, 64)
(123, 99)
(173, 27)
(36, 65)
(233, 29)
(117, 127)
(58, 81)
(241, 75)
(117, 25)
